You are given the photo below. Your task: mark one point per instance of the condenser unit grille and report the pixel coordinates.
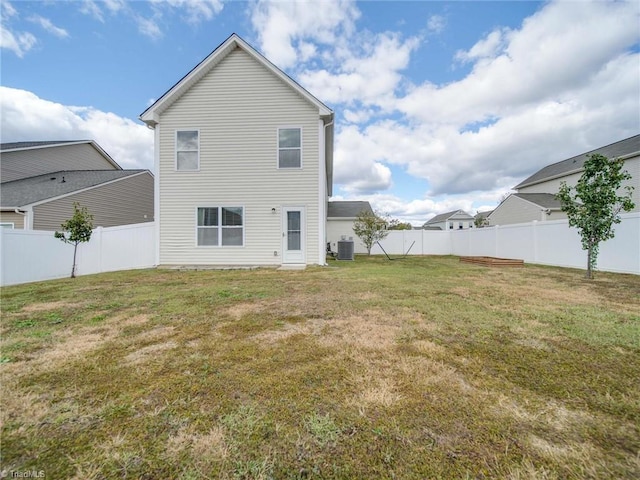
(345, 250)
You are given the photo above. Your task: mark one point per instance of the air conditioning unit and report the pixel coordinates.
(345, 250)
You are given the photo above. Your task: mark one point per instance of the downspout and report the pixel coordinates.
(324, 195)
(25, 225)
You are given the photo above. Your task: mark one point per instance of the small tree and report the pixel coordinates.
(76, 230)
(593, 206)
(396, 224)
(370, 228)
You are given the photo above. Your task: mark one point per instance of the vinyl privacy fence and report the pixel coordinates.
(546, 243)
(30, 255)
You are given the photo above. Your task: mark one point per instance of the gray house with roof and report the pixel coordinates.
(40, 182)
(455, 220)
(340, 218)
(535, 197)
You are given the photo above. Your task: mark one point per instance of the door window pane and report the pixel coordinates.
(293, 231)
(293, 240)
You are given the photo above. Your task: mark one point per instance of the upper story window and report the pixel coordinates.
(187, 150)
(289, 148)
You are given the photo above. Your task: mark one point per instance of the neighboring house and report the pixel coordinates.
(536, 196)
(456, 220)
(244, 164)
(481, 219)
(340, 218)
(42, 180)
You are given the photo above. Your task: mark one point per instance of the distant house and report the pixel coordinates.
(42, 180)
(481, 219)
(536, 196)
(455, 220)
(340, 218)
(244, 164)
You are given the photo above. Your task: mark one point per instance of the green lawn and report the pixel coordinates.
(417, 368)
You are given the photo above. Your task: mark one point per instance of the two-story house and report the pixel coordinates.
(243, 162)
(535, 197)
(41, 180)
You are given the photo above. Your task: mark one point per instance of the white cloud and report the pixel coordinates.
(564, 83)
(368, 72)
(91, 8)
(557, 49)
(196, 11)
(286, 28)
(149, 21)
(149, 27)
(489, 46)
(436, 24)
(49, 26)
(358, 172)
(27, 117)
(17, 42)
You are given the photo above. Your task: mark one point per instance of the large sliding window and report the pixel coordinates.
(220, 226)
(187, 150)
(289, 148)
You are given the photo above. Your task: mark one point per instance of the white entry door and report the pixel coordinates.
(293, 233)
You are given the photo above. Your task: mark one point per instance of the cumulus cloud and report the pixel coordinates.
(564, 83)
(367, 73)
(27, 117)
(285, 29)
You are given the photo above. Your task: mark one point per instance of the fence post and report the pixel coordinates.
(534, 231)
(496, 253)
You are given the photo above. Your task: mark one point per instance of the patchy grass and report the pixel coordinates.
(419, 368)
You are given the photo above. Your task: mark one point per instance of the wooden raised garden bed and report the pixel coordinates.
(493, 261)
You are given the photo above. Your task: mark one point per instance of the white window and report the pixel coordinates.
(289, 148)
(7, 225)
(220, 226)
(187, 150)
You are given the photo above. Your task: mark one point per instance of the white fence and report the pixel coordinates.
(546, 243)
(30, 255)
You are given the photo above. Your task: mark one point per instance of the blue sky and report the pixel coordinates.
(439, 105)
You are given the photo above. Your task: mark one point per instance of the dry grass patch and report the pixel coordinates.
(421, 368)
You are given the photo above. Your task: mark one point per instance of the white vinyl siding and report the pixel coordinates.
(187, 150)
(290, 147)
(238, 107)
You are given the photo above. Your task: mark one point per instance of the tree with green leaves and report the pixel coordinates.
(396, 224)
(594, 205)
(370, 227)
(76, 230)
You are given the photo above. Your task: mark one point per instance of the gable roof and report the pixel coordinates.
(347, 209)
(27, 191)
(544, 200)
(622, 149)
(151, 115)
(40, 144)
(443, 217)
